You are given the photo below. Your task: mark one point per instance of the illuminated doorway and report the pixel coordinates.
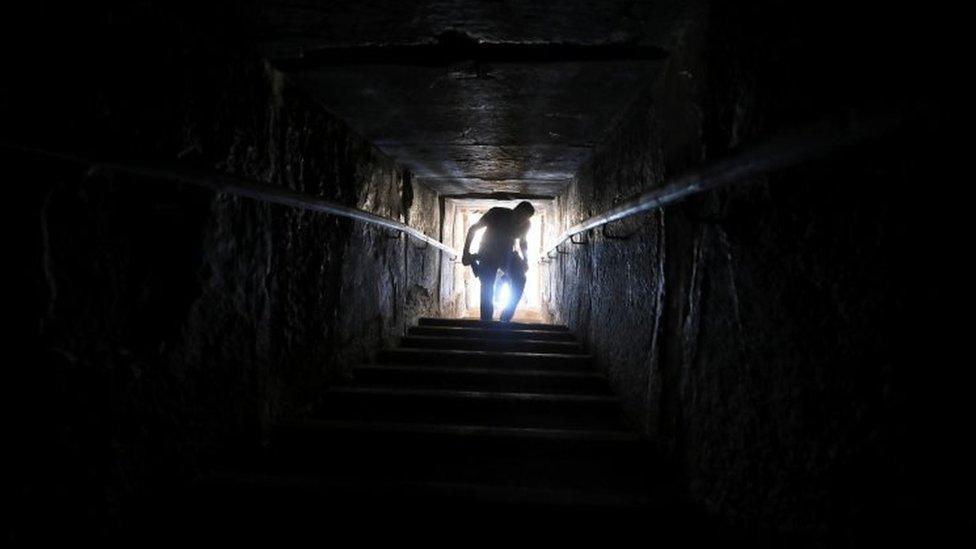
(529, 307)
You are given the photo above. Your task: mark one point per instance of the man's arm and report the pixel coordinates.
(466, 256)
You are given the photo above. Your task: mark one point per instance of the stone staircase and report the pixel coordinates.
(464, 420)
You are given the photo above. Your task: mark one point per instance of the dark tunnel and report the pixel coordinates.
(243, 308)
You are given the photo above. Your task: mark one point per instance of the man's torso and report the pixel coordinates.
(503, 228)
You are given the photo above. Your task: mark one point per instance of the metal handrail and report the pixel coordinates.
(779, 152)
(249, 189)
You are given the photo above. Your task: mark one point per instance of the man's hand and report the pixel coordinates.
(467, 259)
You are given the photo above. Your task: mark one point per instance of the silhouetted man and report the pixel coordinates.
(497, 252)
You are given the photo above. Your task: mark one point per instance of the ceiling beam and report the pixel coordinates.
(453, 48)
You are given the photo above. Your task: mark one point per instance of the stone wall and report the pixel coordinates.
(452, 288)
(160, 324)
(772, 327)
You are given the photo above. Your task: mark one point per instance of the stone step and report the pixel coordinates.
(307, 508)
(486, 359)
(477, 344)
(488, 333)
(512, 409)
(324, 493)
(538, 457)
(490, 324)
(465, 442)
(481, 379)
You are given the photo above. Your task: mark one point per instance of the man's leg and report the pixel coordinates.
(516, 282)
(487, 278)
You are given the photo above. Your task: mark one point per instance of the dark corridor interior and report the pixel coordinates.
(238, 308)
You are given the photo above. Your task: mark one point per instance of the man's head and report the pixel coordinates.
(525, 209)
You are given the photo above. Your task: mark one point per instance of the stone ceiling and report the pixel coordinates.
(475, 97)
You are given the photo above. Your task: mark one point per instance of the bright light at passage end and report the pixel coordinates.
(503, 295)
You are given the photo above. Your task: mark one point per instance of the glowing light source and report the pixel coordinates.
(503, 295)
(476, 241)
